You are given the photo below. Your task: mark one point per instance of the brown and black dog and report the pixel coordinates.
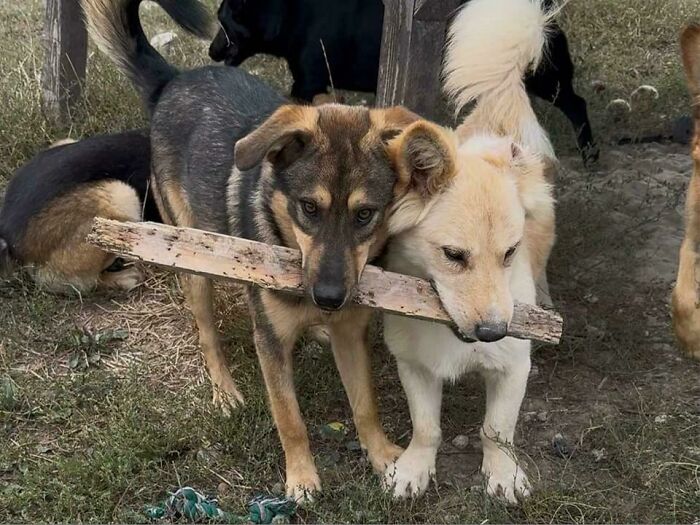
(230, 155)
(686, 294)
(52, 200)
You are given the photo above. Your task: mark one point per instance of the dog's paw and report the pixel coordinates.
(384, 456)
(410, 475)
(506, 481)
(303, 485)
(226, 396)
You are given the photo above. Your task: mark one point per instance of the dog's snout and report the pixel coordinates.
(329, 296)
(489, 332)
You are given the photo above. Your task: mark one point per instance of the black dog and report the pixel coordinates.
(351, 32)
(51, 201)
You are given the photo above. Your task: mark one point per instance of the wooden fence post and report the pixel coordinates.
(65, 44)
(410, 63)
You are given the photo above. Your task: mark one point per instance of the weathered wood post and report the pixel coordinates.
(65, 44)
(411, 57)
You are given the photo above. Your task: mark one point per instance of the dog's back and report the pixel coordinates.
(686, 294)
(51, 201)
(300, 31)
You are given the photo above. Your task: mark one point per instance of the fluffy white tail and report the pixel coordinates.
(492, 45)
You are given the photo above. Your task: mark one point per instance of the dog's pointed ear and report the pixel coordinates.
(424, 155)
(690, 50)
(281, 139)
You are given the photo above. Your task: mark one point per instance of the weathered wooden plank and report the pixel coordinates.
(411, 58)
(65, 44)
(278, 268)
(394, 55)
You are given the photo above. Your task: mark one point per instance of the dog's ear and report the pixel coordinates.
(690, 50)
(391, 121)
(424, 157)
(281, 139)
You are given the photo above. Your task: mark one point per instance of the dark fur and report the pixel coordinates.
(56, 171)
(230, 156)
(351, 31)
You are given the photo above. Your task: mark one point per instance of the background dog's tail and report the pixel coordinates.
(116, 28)
(492, 45)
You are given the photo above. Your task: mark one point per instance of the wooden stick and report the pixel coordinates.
(278, 268)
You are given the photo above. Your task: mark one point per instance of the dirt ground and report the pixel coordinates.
(105, 406)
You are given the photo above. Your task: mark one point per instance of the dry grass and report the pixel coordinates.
(104, 405)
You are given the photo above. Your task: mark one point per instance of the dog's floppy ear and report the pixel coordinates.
(690, 49)
(389, 122)
(281, 139)
(424, 157)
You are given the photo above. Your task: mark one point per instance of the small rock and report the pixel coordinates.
(560, 446)
(661, 418)
(223, 488)
(278, 488)
(598, 86)
(334, 430)
(460, 441)
(542, 416)
(162, 41)
(353, 446)
(599, 454)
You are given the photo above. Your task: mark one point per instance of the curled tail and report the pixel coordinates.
(116, 28)
(492, 45)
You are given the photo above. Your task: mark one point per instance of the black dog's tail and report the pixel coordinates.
(116, 28)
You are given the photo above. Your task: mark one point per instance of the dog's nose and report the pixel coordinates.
(328, 296)
(490, 332)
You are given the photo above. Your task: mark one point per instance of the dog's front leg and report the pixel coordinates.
(505, 390)
(349, 341)
(412, 472)
(200, 297)
(276, 327)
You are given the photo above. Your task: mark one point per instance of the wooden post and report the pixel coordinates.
(279, 268)
(410, 62)
(65, 44)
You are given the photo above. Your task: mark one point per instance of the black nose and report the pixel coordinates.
(490, 332)
(328, 296)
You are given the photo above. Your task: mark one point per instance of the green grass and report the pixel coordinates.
(92, 431)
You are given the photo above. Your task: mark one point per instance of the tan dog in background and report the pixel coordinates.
(686, 295)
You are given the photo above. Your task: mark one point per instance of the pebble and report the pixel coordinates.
(542, 416)
(460, 441)
(163, 40)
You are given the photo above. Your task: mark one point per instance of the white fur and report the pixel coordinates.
(492, 44)
(428, 354)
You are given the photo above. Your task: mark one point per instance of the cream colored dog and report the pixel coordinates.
(479, 223)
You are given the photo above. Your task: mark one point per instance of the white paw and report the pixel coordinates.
(301, 487)
(410, 475)
(506, 481)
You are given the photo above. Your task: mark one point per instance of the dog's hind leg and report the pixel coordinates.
(505, 390)
(55, 248)
(349, 341)
(276, 326)
(199, 292)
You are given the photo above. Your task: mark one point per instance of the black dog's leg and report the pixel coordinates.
(553, 81)
(310, 75)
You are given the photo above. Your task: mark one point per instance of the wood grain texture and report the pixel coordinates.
(279, 268)
(65, 45)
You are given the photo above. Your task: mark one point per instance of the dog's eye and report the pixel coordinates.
(364, 215)
(455, 255)
(310, 208)
(508, 258)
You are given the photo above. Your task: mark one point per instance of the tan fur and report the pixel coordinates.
(685, 304)
(496, 198)
(62, 142)
(54, 246)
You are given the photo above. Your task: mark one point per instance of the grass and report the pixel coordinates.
(104, 405)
